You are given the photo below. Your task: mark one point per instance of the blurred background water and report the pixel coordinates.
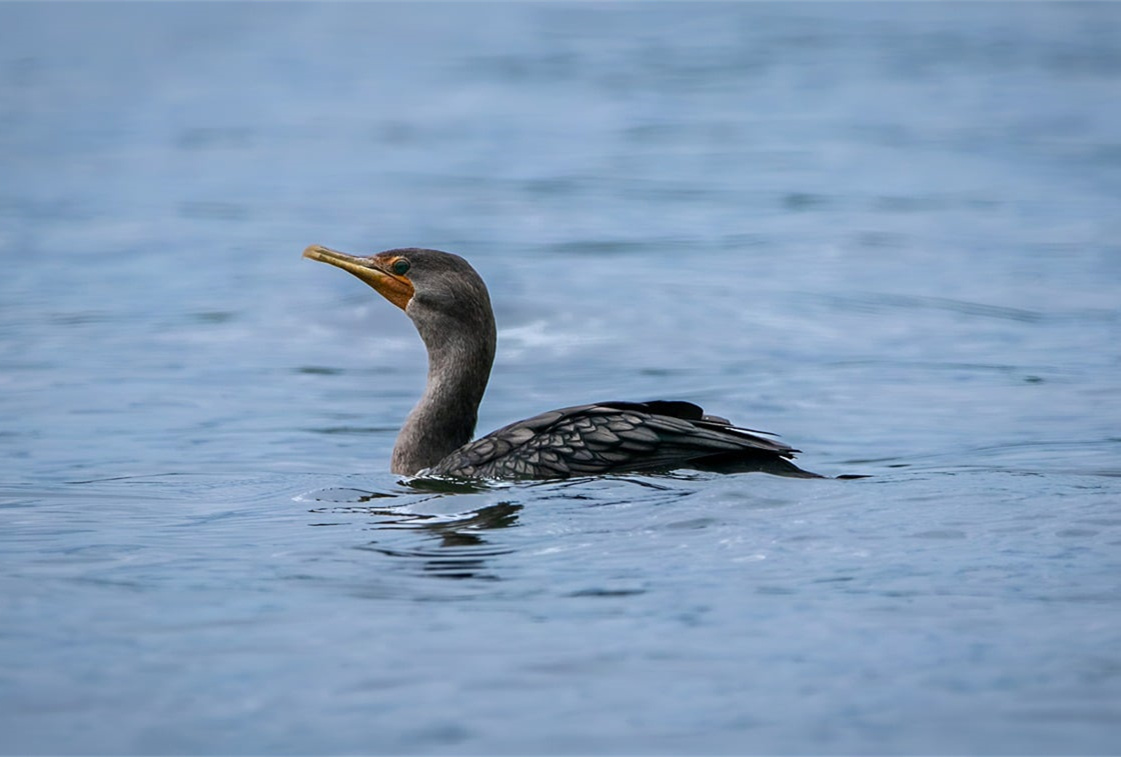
(887, 231)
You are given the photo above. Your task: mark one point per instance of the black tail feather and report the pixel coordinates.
(738, 462)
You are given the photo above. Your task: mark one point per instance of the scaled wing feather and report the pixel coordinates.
(610, 437)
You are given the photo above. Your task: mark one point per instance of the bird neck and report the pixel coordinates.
(459, 363)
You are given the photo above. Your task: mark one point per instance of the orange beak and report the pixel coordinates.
(393, 287)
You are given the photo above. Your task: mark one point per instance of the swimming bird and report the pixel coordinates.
(450, 306)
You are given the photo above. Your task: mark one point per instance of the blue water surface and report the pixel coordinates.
(888, 231)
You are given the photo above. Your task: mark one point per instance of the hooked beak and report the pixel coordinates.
(397, 289)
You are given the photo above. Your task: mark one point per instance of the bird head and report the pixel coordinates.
(439, 291)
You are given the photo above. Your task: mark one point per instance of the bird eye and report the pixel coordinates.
(400, 266)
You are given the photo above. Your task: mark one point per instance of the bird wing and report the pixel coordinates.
(607, 437)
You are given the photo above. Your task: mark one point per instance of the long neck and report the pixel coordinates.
(459, 363)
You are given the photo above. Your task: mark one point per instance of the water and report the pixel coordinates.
(888, 232)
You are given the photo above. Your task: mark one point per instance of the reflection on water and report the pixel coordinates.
(450, 545)
(460, 551)
(423, 519)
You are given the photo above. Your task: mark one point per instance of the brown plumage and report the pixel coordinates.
(450, 307)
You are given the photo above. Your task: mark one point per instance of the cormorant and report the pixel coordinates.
(450, 307)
